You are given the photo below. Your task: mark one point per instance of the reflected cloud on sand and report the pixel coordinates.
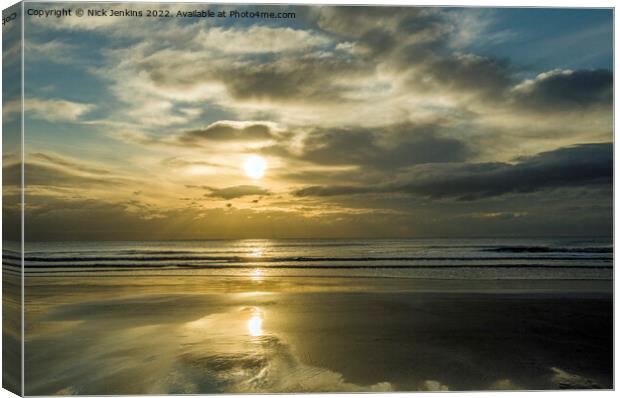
(166, 349)
(207, 335)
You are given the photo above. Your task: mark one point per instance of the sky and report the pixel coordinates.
(371, 122)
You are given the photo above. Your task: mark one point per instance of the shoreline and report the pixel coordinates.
(286, 283)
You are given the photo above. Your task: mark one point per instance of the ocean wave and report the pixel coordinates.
(547, 249)
(308, 259)
(305, 266)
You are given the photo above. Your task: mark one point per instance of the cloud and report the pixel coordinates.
(577, 167)
(180, 163)
(220, 132)
(334, 190)
(419, 43)
(307, 79)
(229, 131)
(56, 110)
(369, 25)
(54, 50)
(434, 385)
(471, 73)
(64, 162)
(385, 147)
(397, 64)
(54, 171)
(43, 175)
(236, 191)
(149, 73)
(475, 26)
(11, 108)
(53, 110)
(559, 90)
(565, 380)
(259, 39)
(356, 109)
(12, 53)
(94, 219)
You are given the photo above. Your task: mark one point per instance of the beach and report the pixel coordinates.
(208, 334)
(287, 198)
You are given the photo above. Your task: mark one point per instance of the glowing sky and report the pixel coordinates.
(372, 122)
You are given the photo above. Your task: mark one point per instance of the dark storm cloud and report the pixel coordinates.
(578, 166)
(223, 131)
(328, 176)
(561, 90)
(236, 191)
(495, 80)
(388, 147)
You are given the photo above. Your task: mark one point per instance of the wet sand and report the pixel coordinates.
(134, 335)
(11, 330)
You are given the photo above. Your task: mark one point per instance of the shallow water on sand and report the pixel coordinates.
(121, 335)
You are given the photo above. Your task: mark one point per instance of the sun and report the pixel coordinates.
(255, 167)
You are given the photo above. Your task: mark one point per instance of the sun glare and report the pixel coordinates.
(255, 167)
(255, 324)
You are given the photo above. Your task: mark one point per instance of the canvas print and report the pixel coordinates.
(243, 198)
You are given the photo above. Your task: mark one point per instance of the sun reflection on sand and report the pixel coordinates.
(257, 275)
(255, 324)
(257, 252)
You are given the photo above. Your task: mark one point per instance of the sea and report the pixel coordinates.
(501, 258)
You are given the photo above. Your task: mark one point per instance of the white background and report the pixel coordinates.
(487, 3)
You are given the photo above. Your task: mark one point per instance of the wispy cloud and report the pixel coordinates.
(53, 110)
